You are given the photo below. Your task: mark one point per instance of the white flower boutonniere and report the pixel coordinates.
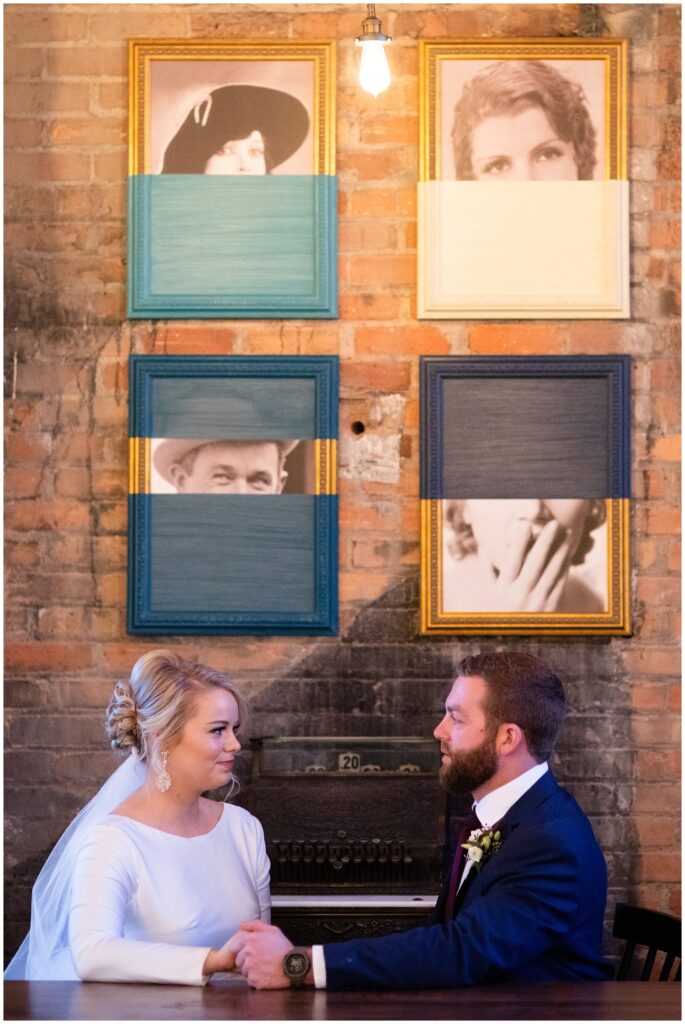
(481, 845)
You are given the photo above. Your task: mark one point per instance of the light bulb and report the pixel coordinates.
(374, 73)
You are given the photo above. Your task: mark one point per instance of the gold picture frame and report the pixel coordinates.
(486, 202)
(232, 188)
(525, 495)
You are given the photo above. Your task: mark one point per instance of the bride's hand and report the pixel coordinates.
(222, 959)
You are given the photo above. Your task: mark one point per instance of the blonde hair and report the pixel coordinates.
(147, 712)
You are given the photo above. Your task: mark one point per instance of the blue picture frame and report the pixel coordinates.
(527, 444)
(233, 563)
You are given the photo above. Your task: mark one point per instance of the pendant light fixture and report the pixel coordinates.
(374, 73)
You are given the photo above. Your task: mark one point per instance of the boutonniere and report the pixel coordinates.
(481, 845)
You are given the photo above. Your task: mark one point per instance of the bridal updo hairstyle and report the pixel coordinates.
(158, 700)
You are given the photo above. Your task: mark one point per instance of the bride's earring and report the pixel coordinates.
(163, 780)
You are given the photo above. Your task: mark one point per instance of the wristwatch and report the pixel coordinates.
(296, 965)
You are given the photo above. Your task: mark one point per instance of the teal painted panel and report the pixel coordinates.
(233, 554)
(251, 408)
(232, 245)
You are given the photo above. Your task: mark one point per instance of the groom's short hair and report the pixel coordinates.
(521, 689)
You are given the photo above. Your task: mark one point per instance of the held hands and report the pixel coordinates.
(533, 573)
(221, 959)
(260, 949)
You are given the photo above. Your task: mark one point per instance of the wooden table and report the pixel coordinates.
(233, 1000)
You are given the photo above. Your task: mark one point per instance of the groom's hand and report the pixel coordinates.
(260, 958)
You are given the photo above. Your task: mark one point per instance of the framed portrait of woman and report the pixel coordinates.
(232, 187)
(523, 192)
(525, 490)
(233, 509)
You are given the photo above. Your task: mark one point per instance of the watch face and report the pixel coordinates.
(297, 964)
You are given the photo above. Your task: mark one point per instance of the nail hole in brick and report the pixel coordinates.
(357, 427)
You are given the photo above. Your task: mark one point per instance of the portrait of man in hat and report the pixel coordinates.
(195, 466)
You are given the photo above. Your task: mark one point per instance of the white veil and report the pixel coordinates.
(44, 954)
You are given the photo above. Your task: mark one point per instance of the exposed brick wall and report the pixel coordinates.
(67, 344)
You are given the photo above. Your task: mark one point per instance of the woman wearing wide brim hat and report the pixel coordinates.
(237, 112)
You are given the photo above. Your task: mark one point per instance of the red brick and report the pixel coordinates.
(379, 130)
(519, 339)
(26, 447)
(87, 62)
(70, 550)
(655, 831)
(23, 62)
(380, 165)
(385, 271)
(400, 341)
(37, 23)
(22, 483)
(667, 448)
(665, 234)
(658, 765)
(94, 131)
(657, 798)
(370, 306)
(23, 554)
(367, 236)
(375, 376)
(73, 482)
(30, 167)
(663, 519)
(124, 21)
(649, 696)
(47, 515)
(23, 134)
(112, 97)
(31, 657)
(653, 661)
(659, 867)
(43, 98)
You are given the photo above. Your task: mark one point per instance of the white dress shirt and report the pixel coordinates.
(489, 810)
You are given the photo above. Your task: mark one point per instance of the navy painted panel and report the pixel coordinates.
(250, 408)
(233, 553)
(508, 427)
(233, 246)
(306, 390)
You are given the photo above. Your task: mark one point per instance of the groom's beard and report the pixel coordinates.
(469, 769)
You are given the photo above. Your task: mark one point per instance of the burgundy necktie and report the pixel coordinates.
(471, 822)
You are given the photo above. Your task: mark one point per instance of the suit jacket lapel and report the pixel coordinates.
(524, 808)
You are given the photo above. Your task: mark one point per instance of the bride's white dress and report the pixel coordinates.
(148, 906)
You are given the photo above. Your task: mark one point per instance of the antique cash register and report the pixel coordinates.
(354, 830)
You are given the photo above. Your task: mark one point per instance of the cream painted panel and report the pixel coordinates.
(495, 250)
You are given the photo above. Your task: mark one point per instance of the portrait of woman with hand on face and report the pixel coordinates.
(523, 120)
(518, 555)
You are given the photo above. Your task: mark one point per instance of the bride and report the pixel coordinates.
(151, 879)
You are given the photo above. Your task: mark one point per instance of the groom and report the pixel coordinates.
(525, 898)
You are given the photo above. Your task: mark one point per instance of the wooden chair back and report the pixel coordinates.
(658, 932)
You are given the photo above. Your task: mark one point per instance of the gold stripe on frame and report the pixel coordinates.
(615, 621)
(139, 465)
(325, 456)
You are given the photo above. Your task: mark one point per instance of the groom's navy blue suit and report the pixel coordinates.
(534, 912)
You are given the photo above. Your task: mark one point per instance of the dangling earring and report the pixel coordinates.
(163, 780)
